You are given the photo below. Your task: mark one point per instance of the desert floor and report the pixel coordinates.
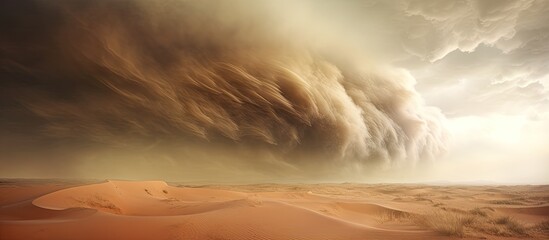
(54, 209)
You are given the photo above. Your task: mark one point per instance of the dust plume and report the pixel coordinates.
(197, 82)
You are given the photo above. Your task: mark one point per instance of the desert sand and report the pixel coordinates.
(157, 210)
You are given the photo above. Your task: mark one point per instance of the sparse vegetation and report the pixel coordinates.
(483, 212)
(506, 202)
(389, 216)
(457, 222)
(503, 220)
(511, 224)
(516, 227)
(542, 227)
(446, 222)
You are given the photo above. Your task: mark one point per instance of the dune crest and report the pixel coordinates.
(143, 198)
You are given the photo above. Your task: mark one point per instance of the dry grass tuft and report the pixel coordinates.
(506, 202)
(390, 216)
(457, 223)
(517, 228)
(542, 227)
(447, 222)
(512, 225)
(503, 220)
(479, 212)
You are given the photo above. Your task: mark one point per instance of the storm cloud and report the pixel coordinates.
(134, 75)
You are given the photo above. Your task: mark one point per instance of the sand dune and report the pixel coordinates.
(156, 210)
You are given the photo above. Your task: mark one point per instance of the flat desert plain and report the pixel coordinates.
(53, 209)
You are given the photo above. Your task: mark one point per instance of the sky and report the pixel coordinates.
(276, 91)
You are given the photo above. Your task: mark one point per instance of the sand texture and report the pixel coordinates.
(157, 210)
